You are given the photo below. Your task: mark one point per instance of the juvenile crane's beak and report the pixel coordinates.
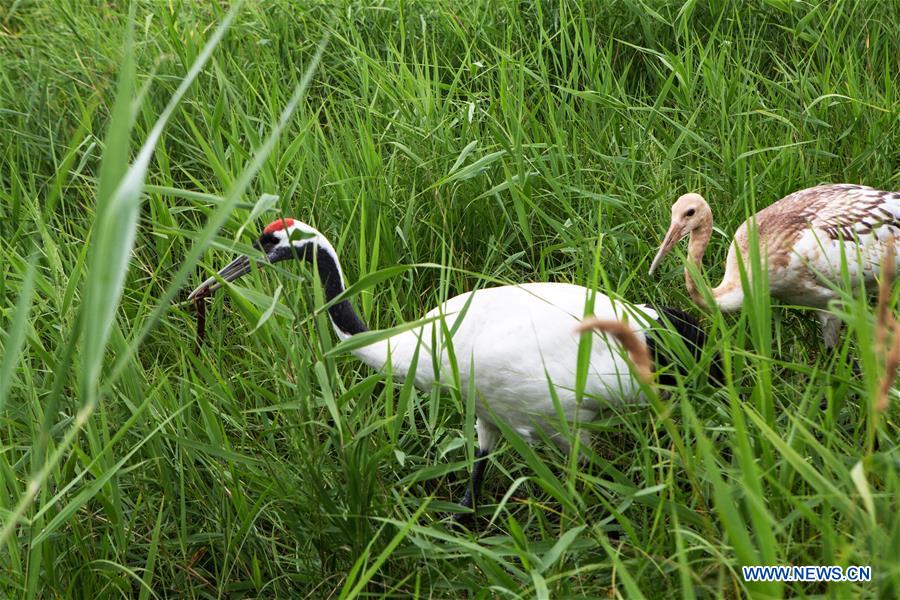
(673, 236)
(236, 268)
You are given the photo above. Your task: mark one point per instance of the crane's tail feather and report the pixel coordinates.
(634, 345)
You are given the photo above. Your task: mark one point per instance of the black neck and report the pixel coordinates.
(342, 314)
(694, 338)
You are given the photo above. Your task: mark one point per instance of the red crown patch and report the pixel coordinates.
(278, 225)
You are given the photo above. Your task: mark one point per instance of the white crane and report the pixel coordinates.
(805, 240)
(514, 341)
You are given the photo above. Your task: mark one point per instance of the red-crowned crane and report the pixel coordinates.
(803, 238)
(514, 340)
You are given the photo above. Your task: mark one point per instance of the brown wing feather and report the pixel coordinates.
(840, 210)
(845, 211)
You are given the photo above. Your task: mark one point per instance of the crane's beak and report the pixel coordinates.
(673, 236)
(236, 268)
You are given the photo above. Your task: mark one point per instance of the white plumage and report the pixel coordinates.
(513, 341)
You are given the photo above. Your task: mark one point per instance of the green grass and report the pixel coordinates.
(472, 142)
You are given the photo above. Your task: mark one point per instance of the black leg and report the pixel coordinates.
(470, 499)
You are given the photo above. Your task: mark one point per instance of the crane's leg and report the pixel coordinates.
(487, 437)
(831, 332)
(831, 329)
(474, 488)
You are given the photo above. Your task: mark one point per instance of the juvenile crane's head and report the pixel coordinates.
(281, 240)
(689, 213)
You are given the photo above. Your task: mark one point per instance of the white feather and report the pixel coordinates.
(513, 343)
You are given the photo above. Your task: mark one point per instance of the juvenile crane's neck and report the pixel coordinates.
(728, 295)
(696, 248)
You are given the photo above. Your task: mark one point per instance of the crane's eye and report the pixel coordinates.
(689, 213)
(266, 242)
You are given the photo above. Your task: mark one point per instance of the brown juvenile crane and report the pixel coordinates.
(805, 239)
